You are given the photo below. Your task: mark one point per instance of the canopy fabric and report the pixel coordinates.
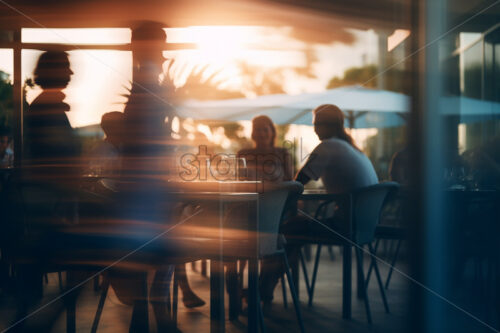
(470, 110)
(363, 107)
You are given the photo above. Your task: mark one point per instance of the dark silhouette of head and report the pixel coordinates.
(328, 122)
(263, 131)
(112, 123)
(53, 70)
(148, 42)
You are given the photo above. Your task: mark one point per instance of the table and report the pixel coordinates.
(219, 193)
(217, 312)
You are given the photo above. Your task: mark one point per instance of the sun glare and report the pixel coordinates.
(102, 76)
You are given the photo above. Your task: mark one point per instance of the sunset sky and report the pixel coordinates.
(101, 76)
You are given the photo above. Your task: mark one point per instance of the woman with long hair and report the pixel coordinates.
(265, 161)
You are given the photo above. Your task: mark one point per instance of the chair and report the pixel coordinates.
(36, 209)
(50, 239)
(392, 233)
(255, 238)
(362, 210)
(391, 228)
(161, 255)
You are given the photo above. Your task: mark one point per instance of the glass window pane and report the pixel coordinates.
(76, 36)
(100, 79)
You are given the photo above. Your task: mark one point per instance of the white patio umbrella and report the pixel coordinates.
(469, 110)
(363, 107)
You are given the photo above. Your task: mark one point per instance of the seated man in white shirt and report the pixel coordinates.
(341, 166)
(336, 160)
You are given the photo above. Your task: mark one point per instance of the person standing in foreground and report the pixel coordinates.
(341, 166)
(50, 141)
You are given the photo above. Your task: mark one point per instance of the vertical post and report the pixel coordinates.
(432, 158)
(382, 58)
(346, 281)
(254, 310)
(429, 236)
(18, 100)
(253, 289)
(217, 315)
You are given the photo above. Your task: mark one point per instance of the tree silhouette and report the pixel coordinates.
(198, 85)
(6, 100)
(394, 78)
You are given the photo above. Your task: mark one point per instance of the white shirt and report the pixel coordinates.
(8, 159)
(341, 167)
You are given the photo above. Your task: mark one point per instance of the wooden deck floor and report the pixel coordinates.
(324, 316)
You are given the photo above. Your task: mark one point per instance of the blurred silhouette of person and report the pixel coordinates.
(266, 161)
(50, 140)
(342, 167)
(106, 155)
(147, 153)
(399, 167)
(6, 153)
(147, 114)
(50, 168)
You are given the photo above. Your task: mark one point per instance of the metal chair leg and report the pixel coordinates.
(232, 289)
(204, 268)
(241, 280)
(175, 298)
(360, 280)
(100, 306)
(70, 300)
(379, 280)
(359, 262)
(283, 288)
(393, 262)
(262, 325)
(370, 268)
(296, 302)
(253, 295)
(314, 275)
(306, 275)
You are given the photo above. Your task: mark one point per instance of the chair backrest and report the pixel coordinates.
(367, 204)
(271, 205)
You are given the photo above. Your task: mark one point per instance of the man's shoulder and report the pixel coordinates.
(330, 145)
(334, 142)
